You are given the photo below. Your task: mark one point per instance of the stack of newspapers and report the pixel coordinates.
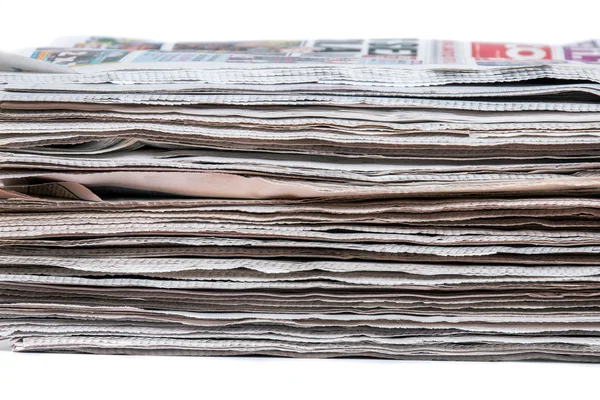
(393, 198)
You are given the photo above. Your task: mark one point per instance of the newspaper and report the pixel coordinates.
(76, 51)
(389, 198)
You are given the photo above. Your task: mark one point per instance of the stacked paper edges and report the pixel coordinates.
(383, 198)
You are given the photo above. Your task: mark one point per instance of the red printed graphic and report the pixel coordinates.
(502, 51)
(448, 52)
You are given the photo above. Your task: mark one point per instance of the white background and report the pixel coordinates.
(47, 376)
